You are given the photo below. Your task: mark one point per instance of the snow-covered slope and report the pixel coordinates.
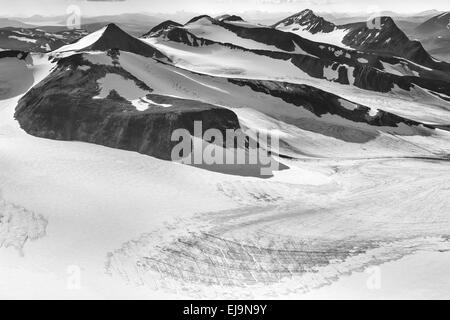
(309, 26)
(339, 125)
(111, 37)
(360, 186)
(380, 35)
(330, 68)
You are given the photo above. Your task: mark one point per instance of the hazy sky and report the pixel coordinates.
(101, 7)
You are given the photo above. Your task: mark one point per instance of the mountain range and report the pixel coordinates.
(93, 176)
(185, 72)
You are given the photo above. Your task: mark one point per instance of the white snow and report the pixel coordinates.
(417, 277)
(84, 42)
(331, 74)
(334, 37)
(144, 103)
(126, 88)
(204, 28)
(219, 60)
(84, 68)
(348, 105)
(46, 47)
(23, 39)
(400, 69)
(97, 58)
(97, 200)
(339, 53)
(416, 105)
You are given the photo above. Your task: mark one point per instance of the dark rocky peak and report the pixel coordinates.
(232, 18)
(202, 17)
(309, 20)
(382, 36)
(160, 28)
(115, 38)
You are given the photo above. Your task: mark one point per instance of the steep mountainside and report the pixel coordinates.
(129, 101)
(435, 35)
(381, 36)
(436, 23)
(234, 42)
(112, 37)
(306, 20)
(388, 39)
(68, 105)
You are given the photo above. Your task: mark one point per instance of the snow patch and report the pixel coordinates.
(23, 39)
(84, 42)
(331, 74)
(126, 88)
(143, 104)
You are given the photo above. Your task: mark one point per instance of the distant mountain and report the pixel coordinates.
(133, 23)
(440, 22)
(4, 22)
(434, 33)
(36, 39)
(305, 20)
(112, 37)
(232, 42)
(381, 36)
(124, 96)
(232, 18)
(387, 39)
(161, 27)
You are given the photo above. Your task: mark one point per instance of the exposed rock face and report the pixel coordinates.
(232, 18)
(115, 38)
(22, 55)
(436, 23)
(309, 21)
(156, 31)
(206, 17)
(320, 102)
(345, 63)
(62, 107)
(388, 39)
(384, 39)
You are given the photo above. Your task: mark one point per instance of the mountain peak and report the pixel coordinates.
(306, 12)
(303, 14)
(232, 18)
(112, 26)
(202, 17)
(307, 20)
(163, 26)
(439, 22)
(112, 37)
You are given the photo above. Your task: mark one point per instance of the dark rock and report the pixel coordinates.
(62, 107)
